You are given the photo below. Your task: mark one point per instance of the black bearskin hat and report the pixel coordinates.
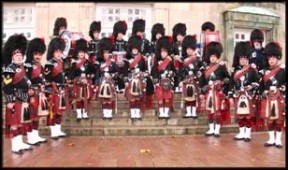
(95, 26)
(256, 35)
(119, 27)
(105, 44)
(242, 49)
(273, 49)
(35, 45)
(134, 42)
(59, 22)
(14, 43)
(138, 25)
(208, 25)
(189, 42)
(81, 45)
(55, 44)
(163, 43)
(179, 28)
(157, 28)
(214, 48)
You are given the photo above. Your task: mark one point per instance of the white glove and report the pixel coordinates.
(137, 70)
(107, 75)
(106, 69)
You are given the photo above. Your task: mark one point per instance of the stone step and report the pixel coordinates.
(126, 113)
(124, 121)
(176, 96)
(95, 105)
(139, 131)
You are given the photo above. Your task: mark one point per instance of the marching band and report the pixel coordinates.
(79, 71)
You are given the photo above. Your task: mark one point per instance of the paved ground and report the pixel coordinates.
(165, 151)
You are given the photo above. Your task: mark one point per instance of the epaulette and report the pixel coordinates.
(8, 70)
(27, 65)
(282, 66)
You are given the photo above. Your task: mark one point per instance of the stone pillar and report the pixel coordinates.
(229, 39)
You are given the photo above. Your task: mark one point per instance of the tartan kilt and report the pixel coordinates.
(266, 111)
(57, 109)
(92, 93)
(39, 108)
(81, 91)
(162, 94)
(219, 98)
(20, 116)
(34, 107)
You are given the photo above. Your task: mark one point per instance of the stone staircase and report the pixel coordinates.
(122, 125)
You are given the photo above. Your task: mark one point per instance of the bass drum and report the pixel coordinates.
(118, 57)
(70, 39)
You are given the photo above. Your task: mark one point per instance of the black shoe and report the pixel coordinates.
(185, 117)
(279, 146)
(87, 118)
(247, 139)
(161, 117)
(105, 118)
(268, 144)
(20, 152)
(62, 136)
(209, 134)
(45, 141)
(35, 144)
(195, 117)
(217, 135)
(55, 138)
(28, 149)
(238, 138)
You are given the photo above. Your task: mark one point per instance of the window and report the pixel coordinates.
(109, 14)
(18, 20)
(244, 35)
